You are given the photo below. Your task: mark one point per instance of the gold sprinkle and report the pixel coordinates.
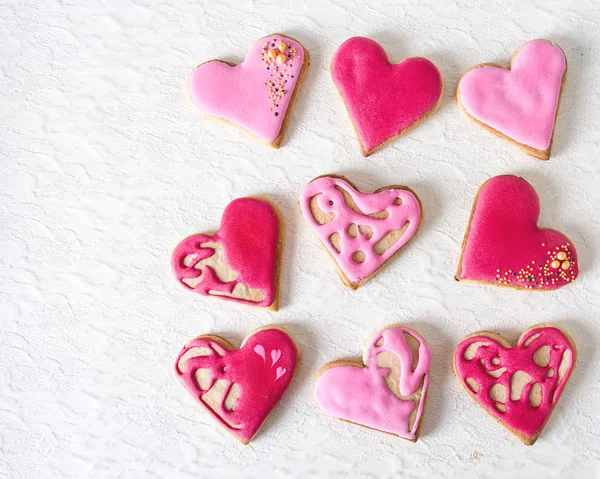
(561, 256)
(273, 53)
(555, 264)
(566, 265)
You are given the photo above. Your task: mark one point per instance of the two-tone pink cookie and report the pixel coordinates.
(387, 391)
(519, 104)
(257, 94)
(519, 385)
(384, 100)
(240, 262)
(360, 231)
(504, 245)
(239, 387)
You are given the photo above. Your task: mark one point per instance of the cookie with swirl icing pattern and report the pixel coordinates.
(361, 231)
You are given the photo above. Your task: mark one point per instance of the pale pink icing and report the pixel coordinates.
(330, 200)
(239, 94)
(361, 395)
(521, 102)
(505, 245)
(249, 234)
(261, 384)
(382, 98)
(520, 415)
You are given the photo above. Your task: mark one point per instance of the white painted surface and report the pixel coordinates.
(106, 165)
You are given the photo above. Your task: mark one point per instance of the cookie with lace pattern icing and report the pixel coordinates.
(360, 231)
(239, 387)
(505, 246)
(257, 94)
(518, 385)
(384, 100)
(519, 103)
(240, 262)
(387, 391)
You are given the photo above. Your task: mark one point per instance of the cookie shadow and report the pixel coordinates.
(569, 119)
(289, 218)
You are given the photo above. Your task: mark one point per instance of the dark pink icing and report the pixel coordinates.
(249, 234)
(382, 98)
(505, 245)
(520, 415)
(263, 368)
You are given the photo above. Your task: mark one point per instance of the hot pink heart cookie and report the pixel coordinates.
(240, 262)
(239, 387)
(388, 392)
(518, 385)
(504, 246)
(257, 94)
(383, 99)
(361, 231)
(519, 103)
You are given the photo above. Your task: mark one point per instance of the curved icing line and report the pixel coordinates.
(520, 415)
(361, 394)
(530, 73)
(369, 203)
(237, 92)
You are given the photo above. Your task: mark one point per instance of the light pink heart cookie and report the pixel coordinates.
(519, 385)
(520, 103)
(387, 392)
(361, 231)
(257, 94)
(239, 387)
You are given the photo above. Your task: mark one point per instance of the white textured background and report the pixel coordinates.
(106, 166)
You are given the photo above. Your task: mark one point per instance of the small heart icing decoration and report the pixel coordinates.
(256, 94)
(384, 100)
(388, 392)
(517, 385)
(240, 262)
(361, 231)
(239, 387)
(520, 103)
(504, 246)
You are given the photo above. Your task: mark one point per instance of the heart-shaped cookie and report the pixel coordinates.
(361, 231)
(388, 392)
(239, 387)
(518, 385)
(504, 246)
(384, 100)
(520, 103)
(240, 262)
(257, 94)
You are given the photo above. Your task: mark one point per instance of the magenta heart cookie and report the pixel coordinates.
(361, 231)
(504, 246)
(384, 100)
(239, 387)
(519, 103)
(518, 385)
(388, 392)
(256, 94)
(240, 262)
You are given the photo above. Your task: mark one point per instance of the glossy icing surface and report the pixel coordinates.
(494, 364)
(521, 102)
(505, 246)
(249, 236)
(254, 94)
(262, 369)
(330, 200)
(382, 98)
(362, 396)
